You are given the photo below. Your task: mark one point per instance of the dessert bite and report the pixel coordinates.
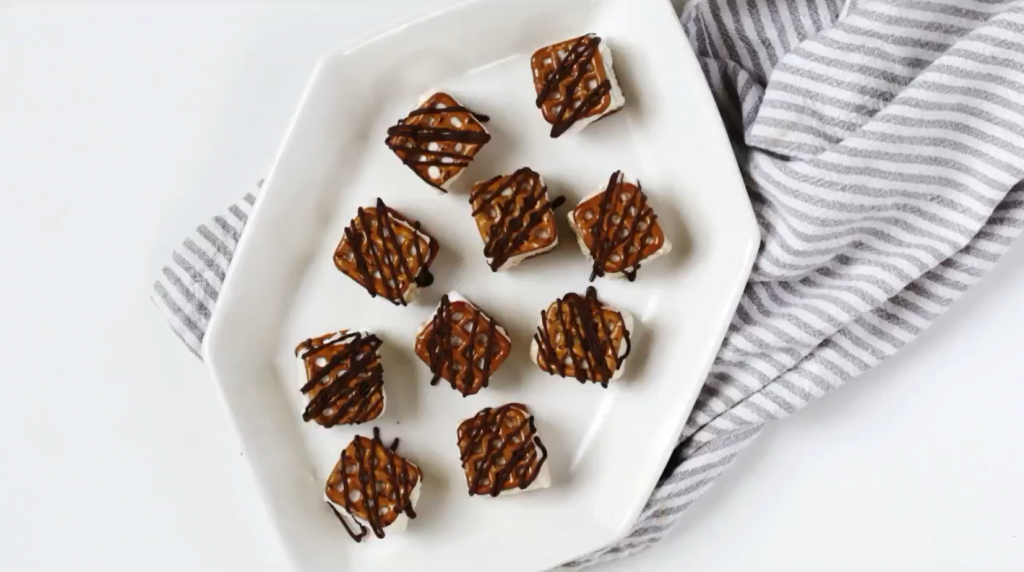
(387, 254)
(581, 337)
(575, 83)
(438, 139)
(617, 230)
(373, 488)
(462, 345)
(344, 379)
(515, 216)
(501, 452)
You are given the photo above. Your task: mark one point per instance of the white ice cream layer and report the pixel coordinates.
(665, 248)
(627, 320)
(618, 99)
(400, 524)
(305, 378)
(448, 184)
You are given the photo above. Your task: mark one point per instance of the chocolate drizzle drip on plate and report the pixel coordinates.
(345, 378)
(462, 345)
(500, 450)
(580, 337)
(386, 253)
(514, 215)
(438, 139)
(374, 484)
(619, 228)
(571, 86)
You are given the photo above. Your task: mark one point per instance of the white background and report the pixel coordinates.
(124, 125)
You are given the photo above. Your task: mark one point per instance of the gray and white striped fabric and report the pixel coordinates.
(883, 148)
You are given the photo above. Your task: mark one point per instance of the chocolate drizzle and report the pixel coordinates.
(381, 264)
(615, 244)
(521, 204)
(466, 362)
(582, 324)
(353, 375)
(500, 450)
(376, 490)
(454, 147)
(572, 69)
(439, 346)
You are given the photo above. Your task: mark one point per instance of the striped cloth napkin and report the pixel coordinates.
(883, 147)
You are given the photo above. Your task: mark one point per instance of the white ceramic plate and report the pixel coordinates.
(607, 446)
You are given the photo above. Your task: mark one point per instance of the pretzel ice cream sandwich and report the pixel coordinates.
(581, 337)
(387, 254)
(575, 83)
(373, 488)
(462, 345)
(501, 452)
(617, 230)
(344, 379)
(515, 216)
(439, 139)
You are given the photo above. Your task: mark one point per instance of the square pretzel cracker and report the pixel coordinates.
(372, 488)
(515, 217)
(387, 254)
(575, 83)
(439, 139)
(617, 229)
(502, 453)
(581, 337)
(342, 377)
(462, 345)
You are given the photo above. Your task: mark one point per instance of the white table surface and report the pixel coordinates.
(123, 126)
